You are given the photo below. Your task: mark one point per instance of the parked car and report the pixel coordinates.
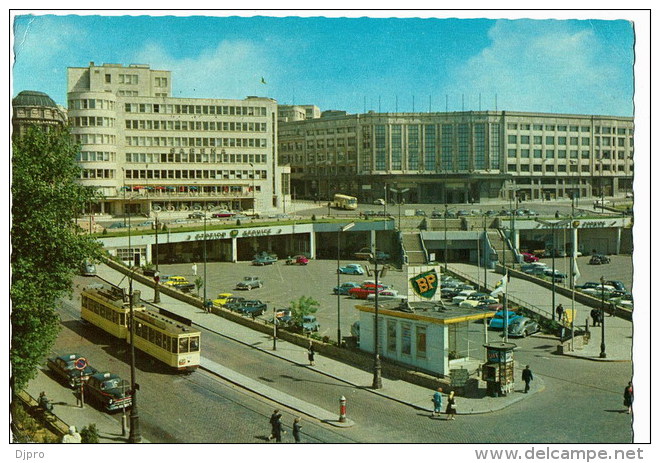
(233, 302)
(117, 225)
(250, 283)
(197, 215)
(598, 259)
(222, 214)
(363, 291)
(461, 296)
(352, 269)
(387, 295)
(88, 269)
(109, 391)
(179, 283)
(379, 202)
(147, 223)
(529, 258)
(344, 288)
(264, 259)
(618, 285)
(523, 327)
(558, 276)
(222, 299)
(420, 213)
(310, 324)
(64, 367)
(463, 213)
(253, 308)
(297, 260)
(490, 213)
(437, 215)
(477, 299)
(497, 322)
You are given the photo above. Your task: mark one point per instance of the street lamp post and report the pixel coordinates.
(339, 232)
(602, 318)
(446, 212)
(156, 210)
(377, 379)
(204, 247)
(134, 436)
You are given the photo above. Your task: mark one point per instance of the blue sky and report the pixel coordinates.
(580, 66)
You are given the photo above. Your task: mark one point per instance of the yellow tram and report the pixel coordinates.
(173, 342)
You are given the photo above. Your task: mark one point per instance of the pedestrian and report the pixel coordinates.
(194, 268)
(44, 403)
(310, 353)
(556, 214)
(628, 397)
(595, 316)
(296, 429)
(527, 376)
(276, 426)
(72, 437)
(451, 406)
(437, 402)
(560, 313)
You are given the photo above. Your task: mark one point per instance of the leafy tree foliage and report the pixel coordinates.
(304, 305)
(47, 245)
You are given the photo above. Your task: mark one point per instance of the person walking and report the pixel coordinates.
(628, 397)
(310, 353)
(275, 426)
(296, 429)
(595, 317)
(527, 376)
(194, 269)
(560, 313)
(437, 403)
(451, 406)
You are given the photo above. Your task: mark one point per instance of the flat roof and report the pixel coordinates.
(431, 312)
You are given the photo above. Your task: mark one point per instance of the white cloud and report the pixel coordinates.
(233, 69)
(548, 69)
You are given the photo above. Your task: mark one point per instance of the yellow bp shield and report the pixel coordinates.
(425, 284)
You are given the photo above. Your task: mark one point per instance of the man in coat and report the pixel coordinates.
(527, 377)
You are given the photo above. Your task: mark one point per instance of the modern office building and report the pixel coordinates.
(35, 108)
(143, 148)
(458, 157)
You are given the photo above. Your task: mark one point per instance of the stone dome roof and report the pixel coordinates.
(33, 98)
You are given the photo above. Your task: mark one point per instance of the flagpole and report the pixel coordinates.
(506, 308)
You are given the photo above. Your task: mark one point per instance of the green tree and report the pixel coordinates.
(304, 305)
(48, 247)
(199, 282)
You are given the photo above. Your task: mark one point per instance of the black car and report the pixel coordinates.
(109, 391)
(197, 215)
(253, 308)
(64, 367)
(598, 259)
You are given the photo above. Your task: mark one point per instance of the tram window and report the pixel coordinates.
(183, 345)
(122, 319)
(173, 346)
(159, 339)
(166, 342)
(138, 329)
(152, 335)
(194, 343)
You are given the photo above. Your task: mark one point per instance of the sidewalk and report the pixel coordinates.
(398, 390)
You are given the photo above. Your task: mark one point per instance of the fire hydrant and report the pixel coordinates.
(342, 409)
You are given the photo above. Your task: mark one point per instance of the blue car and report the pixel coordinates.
(497, 322)
(352, 269)
(344, 288)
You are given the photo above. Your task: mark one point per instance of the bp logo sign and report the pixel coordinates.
(425, 284)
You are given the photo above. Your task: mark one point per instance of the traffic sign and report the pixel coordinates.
(81, 363)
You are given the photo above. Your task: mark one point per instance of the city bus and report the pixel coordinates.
(345, 202)
(171, 340)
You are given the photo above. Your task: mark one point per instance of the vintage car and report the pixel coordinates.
(249, 283)
(310, 324)
(497, 322)
(477, 299)
(523, 327)
(222, 214)
(352, 269)
(297, 260)
(264, 259)
(109, 391)
(387, 295)
(197, 215)
(177, 282)
(64, 366)
(344, 288)
(598, 259)
(529, 257)
(363, 291)
(252, 308)
(222, 298)
(460, 297)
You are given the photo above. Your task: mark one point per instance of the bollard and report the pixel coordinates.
(342, 409)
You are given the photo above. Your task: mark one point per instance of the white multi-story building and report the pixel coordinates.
(141, 147)
(458, 157)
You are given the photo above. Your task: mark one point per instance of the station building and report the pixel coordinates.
(32, 108)
(142, 148)
(456, 157)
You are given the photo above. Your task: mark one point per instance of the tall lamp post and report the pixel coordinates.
(446, 212)
(339, 232)
(602, 318)
(134, 435)
(204, 247)
(399, 200)
(156, 210)
(377, 379)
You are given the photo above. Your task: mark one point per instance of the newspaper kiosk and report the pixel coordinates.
(498, 370)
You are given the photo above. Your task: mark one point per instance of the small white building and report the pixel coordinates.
(420, 334)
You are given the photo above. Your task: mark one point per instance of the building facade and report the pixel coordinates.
(35, 108)
(143, 148)
(458, 157)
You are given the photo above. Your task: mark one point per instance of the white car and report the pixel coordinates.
(463, 295)
(379, 202)
(387, 295)
(477, 299)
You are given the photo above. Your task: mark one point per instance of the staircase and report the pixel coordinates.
(497, 243)
(413, 248)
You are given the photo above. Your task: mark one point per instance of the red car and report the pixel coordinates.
(363, 291)
(297, 260)
(529, 258)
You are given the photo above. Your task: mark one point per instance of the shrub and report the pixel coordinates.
(89, 434)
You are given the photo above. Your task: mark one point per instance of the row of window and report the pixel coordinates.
(212, 126)
(91, 103)
(573, 141)
(562, 168)
(209, 158)
(95, 139)
(92, 121)
(406, 330)
(194, 174)
(166, 108)
(197, 141)
(570, 128)
(103, 311)
(171, 343)
(329, 131)
(562, 154)
(97, 173)
(96, 156)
